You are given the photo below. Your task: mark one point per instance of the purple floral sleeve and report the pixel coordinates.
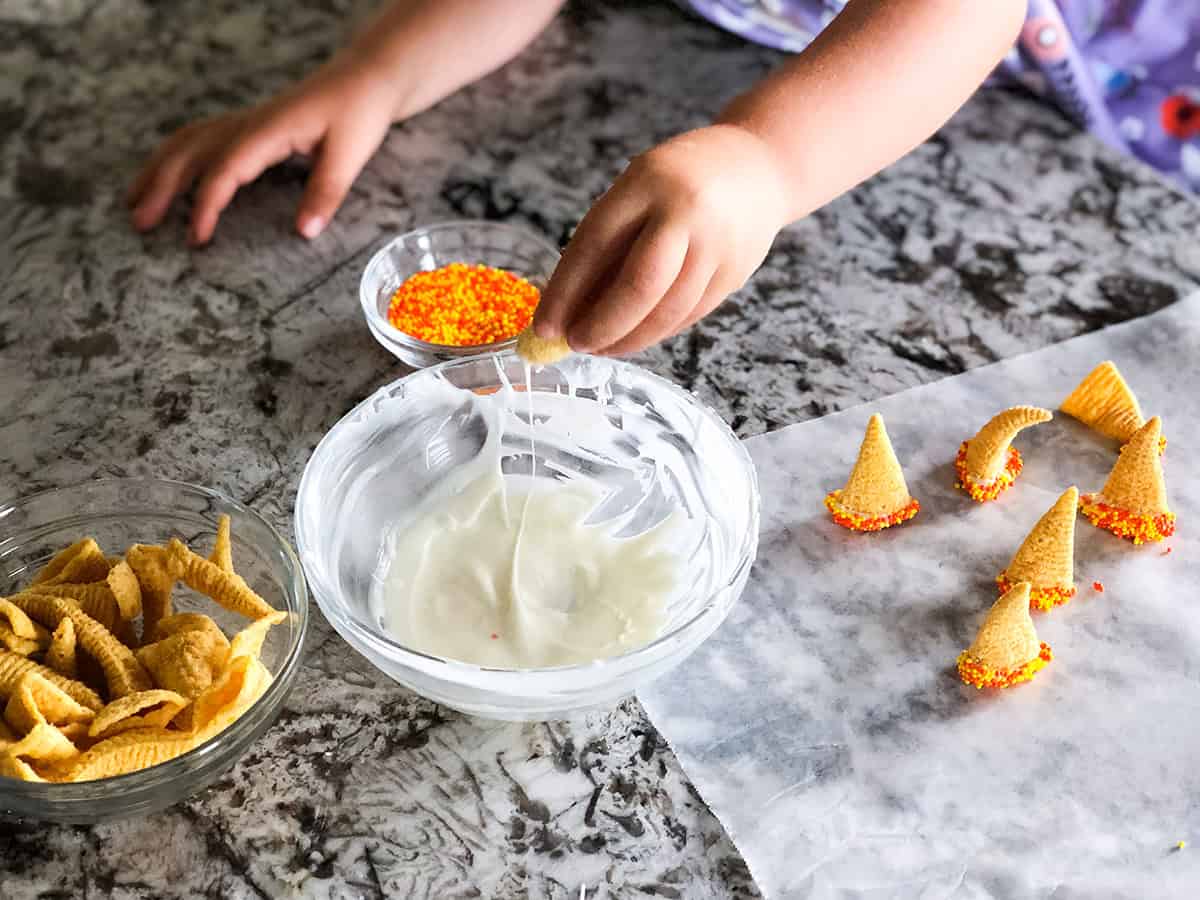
(1127, 70)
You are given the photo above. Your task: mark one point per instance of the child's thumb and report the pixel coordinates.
(340, 158)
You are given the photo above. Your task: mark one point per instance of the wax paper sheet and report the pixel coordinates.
(824, 722)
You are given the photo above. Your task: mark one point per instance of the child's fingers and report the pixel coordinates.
(169, 172)
(143, 179)
(601, 240)
(145, 176)
(178, 143)
(718, 289)
(165, 182)
(242, 163)
(675, 307)
(342, 156)
(646, 274)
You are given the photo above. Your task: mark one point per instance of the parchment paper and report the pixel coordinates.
(824, 722)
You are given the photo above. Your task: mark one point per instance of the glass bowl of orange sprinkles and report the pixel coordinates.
(455, 289)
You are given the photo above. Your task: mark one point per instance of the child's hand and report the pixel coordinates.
(414, 53)
(683, 227)
(339, 115)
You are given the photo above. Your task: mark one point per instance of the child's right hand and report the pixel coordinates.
(414, 53)
(339, 116)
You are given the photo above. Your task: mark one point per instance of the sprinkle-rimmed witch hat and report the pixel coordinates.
(1133, 503)
(1046, 558)
(876, 495)
(988, 464)
(1104, 402)
(1006, 651)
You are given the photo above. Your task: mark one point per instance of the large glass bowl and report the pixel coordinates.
(120, 512)
(476, 242)
(652, 448)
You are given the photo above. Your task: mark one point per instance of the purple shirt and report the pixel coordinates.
(1127, 70)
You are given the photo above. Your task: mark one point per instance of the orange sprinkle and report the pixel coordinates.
(981, 492)
(1126, 524)
(495, 636)
(1097, 587)
(980, 675)
(462, 305)
(1166, 552)
(855, 522)
(1042, 599)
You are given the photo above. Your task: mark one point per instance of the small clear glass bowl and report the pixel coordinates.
(475, 242)
(652, 448)
(124, 511)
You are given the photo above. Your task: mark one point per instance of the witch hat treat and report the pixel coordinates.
(1104, 402)
(1007, 650)
(1133, 503)
(1046, 558)
(875, 496)
(988, 464)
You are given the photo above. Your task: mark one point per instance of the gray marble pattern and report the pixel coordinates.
(825, 722)
(123, 354)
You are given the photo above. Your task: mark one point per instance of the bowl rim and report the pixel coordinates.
(210, 752)
(632, 659)
(408, 341)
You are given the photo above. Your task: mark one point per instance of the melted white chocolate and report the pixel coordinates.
(505, 572)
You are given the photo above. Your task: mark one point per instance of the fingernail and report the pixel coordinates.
(312, 226)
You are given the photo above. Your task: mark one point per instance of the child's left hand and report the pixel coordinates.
(683, 227)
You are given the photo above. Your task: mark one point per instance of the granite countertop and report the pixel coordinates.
(123, 355)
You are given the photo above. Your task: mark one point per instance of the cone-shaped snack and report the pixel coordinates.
(539, 351)
(1046, 559)
(1104, 401)
(1133, 503)
(988, 464)
(875, 496)
(1006, 651)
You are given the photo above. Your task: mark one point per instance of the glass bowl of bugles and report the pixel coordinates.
(504, 250)
(150, 633)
